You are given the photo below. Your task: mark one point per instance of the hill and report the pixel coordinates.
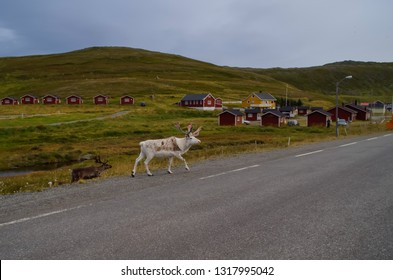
(371, 80)
(116, 71)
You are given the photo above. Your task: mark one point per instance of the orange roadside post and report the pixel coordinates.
(389, 124)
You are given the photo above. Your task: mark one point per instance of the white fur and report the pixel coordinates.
(166, 148)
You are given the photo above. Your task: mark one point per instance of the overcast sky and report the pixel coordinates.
(245, 33)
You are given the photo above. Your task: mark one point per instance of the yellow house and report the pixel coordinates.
(260, 100)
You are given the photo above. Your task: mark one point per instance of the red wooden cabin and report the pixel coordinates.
(273, 118)
(230, 117)
(29, 99)
(319, 118)
(51, 99)
(204, 101)
(9, 101)
(101, 99)
(127, 100)
(74, 100)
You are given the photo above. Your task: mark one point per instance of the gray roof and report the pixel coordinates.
(235, 112)
(286, 109)
(74, 95)
(377, 104)
(51, 95)
(10, 97)
(355, 107)
(274, 112)
(320, 111)
(30, 96)
(265, 96)
(253, 110)
(195, 96)
(349, 110)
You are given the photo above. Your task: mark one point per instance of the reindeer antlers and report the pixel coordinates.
(189, 127)
(177, 125)
(196, 133)
(189, 130)
(98, 160)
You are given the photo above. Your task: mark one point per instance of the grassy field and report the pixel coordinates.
(34, 141)
(42, 135)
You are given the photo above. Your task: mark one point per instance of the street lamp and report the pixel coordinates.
(337, 84)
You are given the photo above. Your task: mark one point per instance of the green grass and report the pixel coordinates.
(116, 139)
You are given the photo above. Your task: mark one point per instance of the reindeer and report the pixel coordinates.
(89, 172)
(167, 148)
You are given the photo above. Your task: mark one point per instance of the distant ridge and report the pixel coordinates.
(353, 62)
(370, 79)
(120, 70)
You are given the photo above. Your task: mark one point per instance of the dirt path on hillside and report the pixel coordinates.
(115, 115)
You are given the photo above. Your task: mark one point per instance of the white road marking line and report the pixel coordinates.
(310, 153)
(387, 134)
(230, 171)
(369, 139)
(42, 215)
(349, 144)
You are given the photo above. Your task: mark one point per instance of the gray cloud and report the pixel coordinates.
(249, 33)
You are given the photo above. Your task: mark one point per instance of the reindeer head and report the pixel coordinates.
(190, 136)
(104, 165)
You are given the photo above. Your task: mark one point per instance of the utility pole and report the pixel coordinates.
(337, 90)
(286, 95)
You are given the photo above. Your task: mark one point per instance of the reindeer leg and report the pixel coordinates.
(185, 162)
(139, 158)
(74, 177)
(148, 159)
(170, 165)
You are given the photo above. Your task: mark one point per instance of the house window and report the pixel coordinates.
(209, 102)
(73, 99)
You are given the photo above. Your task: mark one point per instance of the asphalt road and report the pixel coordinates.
(331, 200)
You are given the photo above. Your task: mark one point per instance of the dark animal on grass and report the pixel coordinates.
(89, 172)
(167, 148)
